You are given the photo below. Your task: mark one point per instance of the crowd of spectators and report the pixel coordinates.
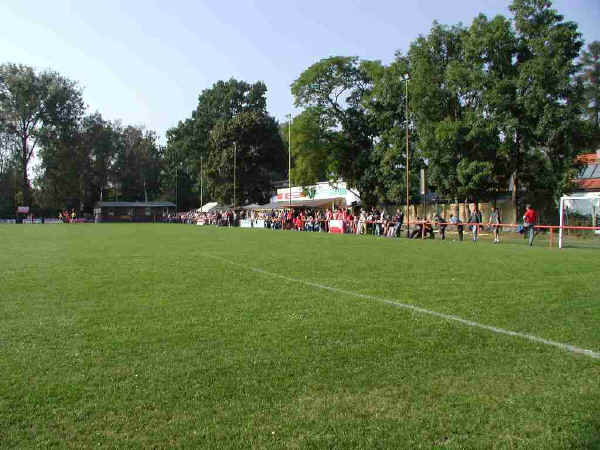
(355, 221)
(351, 220)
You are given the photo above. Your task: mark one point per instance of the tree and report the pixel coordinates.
(547, 101)
(8, 180)
(309, 141)
(137, 166)
(253, 139)
(454, 137)
(77, 168)
(334, 88)
(101, 138)
(207, 138)
(33, 107)
(385, 109)
(590, 77)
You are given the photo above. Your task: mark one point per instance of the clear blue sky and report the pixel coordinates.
(145, 62)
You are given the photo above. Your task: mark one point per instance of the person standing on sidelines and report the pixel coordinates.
(529, 220)
(441, 224)
(495, 221)
(454, 220)
(475, 220)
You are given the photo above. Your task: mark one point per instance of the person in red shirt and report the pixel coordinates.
(529, 220)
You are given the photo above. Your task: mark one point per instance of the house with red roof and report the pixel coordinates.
(589, 179)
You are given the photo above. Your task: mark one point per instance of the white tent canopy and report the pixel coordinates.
(318, 195)
(208, 207)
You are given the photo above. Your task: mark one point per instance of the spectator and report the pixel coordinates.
(441, 224)
(398, 222)
(495, 222)
(428, 229)
(454, 220)
(529, 220)
(418, 230)
(362, 223)
(474, 221)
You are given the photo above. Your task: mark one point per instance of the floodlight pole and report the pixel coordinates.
(560, 222)
(290, 160)
(201, 186)
(406, 78)
(234, 164)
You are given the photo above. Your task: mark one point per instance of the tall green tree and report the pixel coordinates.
(385, 108)
(78, 168)
(34, 106)
(137, 166)
(590, 77)
(548, 101)
(64, 171)
(334, 88)
(206, 138)
(309, 144)
(250, 141)
(454, 136)
(8, 176)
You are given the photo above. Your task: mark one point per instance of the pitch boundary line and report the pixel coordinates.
(418, 309)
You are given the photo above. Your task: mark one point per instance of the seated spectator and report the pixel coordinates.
(417, 232)
(441, 224)
(428, 229)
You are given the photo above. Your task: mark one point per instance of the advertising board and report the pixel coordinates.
(336, 226)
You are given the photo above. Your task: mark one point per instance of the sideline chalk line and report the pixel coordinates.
(470, 323)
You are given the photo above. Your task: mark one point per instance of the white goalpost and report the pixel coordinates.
(579, 220)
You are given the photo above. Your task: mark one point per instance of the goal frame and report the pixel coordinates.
(591, 196)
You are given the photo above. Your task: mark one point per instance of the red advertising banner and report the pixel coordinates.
(336, 226)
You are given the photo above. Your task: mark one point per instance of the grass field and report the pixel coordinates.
(156, 336)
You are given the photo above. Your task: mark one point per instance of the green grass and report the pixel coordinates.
(133, 336)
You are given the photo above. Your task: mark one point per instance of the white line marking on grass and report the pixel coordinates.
(470, 323)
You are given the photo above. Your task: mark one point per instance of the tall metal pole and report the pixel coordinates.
(176, 193)
(290, 159)
(406, 78)
(201, 185)
(234, 164)
(560, 230)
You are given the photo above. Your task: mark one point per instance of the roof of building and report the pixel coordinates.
(589, 178)
(590, 171)
(588, 158)
(136, 204)
(591, 184)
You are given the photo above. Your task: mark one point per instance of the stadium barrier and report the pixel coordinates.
(41, 221)
(340, 226)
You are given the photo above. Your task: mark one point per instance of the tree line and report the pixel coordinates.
(53, 156)
(499, 107)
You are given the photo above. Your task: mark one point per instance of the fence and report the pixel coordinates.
(578, 236)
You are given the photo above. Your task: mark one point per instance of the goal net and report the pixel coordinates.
(580, 221)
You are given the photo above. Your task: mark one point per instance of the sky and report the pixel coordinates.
(146, 62)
